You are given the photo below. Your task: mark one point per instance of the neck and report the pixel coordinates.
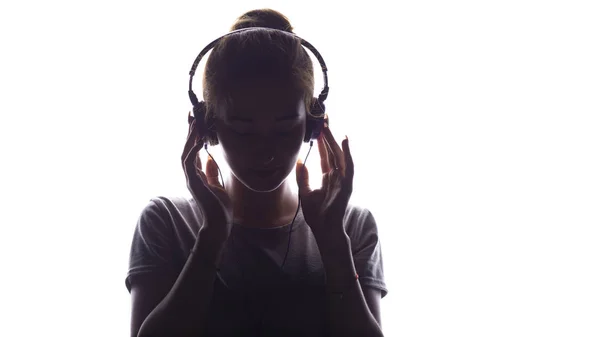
(261, 209)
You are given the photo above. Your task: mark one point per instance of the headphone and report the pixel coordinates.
(314, 121)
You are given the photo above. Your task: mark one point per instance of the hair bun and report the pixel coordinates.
(267, 18)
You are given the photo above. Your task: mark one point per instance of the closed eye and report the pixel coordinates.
(280, 129)
(282, 133)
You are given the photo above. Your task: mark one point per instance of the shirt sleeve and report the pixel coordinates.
(366, 250)
(151, 247)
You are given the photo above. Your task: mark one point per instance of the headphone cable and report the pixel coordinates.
(291, 225)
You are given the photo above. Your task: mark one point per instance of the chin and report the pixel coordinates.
(263, 183)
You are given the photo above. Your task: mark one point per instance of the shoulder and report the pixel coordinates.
(176, 218)
(171, 208)
(361, 227)
(359, 221)
(171, 204)
(165, 232)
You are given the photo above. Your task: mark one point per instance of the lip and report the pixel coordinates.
(265, 173)
(267, 169)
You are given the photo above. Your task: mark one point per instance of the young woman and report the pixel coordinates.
(253, 257)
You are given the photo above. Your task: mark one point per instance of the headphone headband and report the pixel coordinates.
(322, 96)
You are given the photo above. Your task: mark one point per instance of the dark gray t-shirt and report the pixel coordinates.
(251, 292)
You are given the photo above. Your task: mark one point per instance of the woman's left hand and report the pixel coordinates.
(324, 208)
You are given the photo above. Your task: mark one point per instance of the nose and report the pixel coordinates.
(264, 154)
(264, 139)
(268, 161)
(265, 131)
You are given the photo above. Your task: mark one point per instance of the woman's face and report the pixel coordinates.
(262, 133)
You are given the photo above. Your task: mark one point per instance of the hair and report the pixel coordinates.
(249, 56)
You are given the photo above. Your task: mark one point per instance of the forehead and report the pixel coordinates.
(262, 100)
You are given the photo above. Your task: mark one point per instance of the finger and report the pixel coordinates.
(330, 188)
(330, 154)
(190, 118)
(325, 182)
(192, 124)
(302, 178)
(324, 154)
(349, 172)
(337, 155)
(193, 165)
(189, 143)
(212, 172)
(199, 171)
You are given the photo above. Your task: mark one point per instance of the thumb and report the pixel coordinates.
(302, 177)
(212, 172)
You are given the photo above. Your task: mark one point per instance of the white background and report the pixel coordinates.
(474, 126)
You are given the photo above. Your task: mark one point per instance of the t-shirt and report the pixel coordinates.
(252, 295)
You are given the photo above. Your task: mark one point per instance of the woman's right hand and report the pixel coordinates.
(206, 189)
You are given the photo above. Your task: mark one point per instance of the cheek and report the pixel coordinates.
(233, 145)
(250, 138)
(293, 134)
(240, 148)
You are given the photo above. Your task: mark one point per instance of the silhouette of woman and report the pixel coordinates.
(249, 256)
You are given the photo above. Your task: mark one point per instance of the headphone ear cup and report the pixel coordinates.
(317, 108)
(211, 134)
(315, 121)
(206, 126)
